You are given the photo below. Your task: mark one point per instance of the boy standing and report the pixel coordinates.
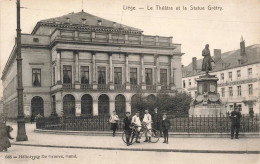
(127, 125)
(113, 120)
(165, 126)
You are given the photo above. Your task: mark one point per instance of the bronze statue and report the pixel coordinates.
(206, 64)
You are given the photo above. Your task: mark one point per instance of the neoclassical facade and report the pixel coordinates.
(80, 64)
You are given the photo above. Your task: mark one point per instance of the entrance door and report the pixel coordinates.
(37, 106)
(103, 105)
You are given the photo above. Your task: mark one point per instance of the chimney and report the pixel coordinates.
(194, 64)
(99, 22)
(217, 54)
(242, 47)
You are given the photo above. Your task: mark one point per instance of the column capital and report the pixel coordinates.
(93, 52)
(75, 52)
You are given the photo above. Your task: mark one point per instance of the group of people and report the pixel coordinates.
(156, 121)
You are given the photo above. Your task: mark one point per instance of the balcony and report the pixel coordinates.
(99, 37)
(150, 87)
(166, 87)
(86, 86)
(135, 87)
(68, 86)
(120, 86)
(103, 87)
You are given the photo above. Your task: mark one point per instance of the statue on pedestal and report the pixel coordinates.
(206, 64)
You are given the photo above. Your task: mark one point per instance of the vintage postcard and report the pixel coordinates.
(130, 81)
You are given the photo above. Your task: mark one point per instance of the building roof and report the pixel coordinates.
(228, 60)
(90, 20)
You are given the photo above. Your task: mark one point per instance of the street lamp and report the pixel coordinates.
(21, 133)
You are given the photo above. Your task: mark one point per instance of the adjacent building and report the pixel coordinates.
(80, 64)
(238, 72)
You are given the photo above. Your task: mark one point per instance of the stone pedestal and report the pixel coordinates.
(207, 102)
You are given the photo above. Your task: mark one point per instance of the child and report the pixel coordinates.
(165, 126)
(113, 120)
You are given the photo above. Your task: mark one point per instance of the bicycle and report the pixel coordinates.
(155, 134)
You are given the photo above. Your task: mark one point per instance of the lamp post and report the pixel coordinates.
(21, 133)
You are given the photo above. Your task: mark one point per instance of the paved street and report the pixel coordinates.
(94, 149)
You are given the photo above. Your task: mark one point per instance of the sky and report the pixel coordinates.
(221, 29)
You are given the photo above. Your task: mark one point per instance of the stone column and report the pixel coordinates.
(78, 108)
(127, 75)
(142, 72)
(111, 106)
(171, 72)
(111, 70)
(157, 72)
(95, 107)
(58, 64)
(76, 68)
(59, 103)
(94, 82)
(128, 106)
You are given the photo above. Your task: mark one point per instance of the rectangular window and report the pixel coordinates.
(238, 73)
(239, 91)
(230, 91)
(230, 75)
(163, 76)
(36, 77)
(222, 76)
(249, 71)
(101, 75)
(223, 92)
(133, 76)
(148, 76)
(118, 75)
(53, 74)
(67, 74)
(184, 84)
(250, 89)
(84, 74)
(189, 82)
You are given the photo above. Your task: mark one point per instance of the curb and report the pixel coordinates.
(145, 149)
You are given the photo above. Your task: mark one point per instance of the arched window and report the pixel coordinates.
(103, 105)
(151, 102)
(120, 104)
(69, 105)
(37, 106)
(86, 105)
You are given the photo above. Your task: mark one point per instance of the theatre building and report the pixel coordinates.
(80, 64)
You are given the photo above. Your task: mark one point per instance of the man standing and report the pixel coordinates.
(113, 120)
(148, 120)
(127, 124)
(165, 126)
(235, 118)
(157, 121)
(137, 123)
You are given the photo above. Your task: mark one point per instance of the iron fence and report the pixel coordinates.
(185, 124)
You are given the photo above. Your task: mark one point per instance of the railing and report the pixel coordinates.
(166, 87)
(86, 86)
(103, 86)
(150, 87)
(120, 86)
(135, 87)
(104, 38)
(193, 124)
(68, 86)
